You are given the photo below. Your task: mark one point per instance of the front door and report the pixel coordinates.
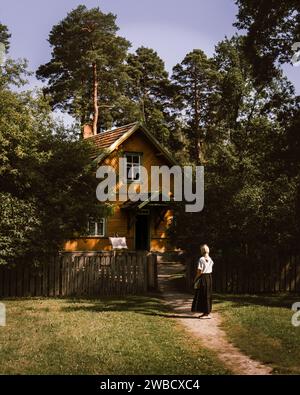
(142, 232)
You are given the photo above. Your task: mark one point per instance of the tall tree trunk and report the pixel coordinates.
(198, 135)
(95, 99)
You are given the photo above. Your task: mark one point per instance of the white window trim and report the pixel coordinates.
(138, 180)
(96, 228)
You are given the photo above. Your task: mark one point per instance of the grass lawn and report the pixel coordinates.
(132, 335)
(261, 327)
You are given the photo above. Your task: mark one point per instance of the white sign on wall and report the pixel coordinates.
(118, 243)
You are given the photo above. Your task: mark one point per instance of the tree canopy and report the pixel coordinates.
(273, 27)
(5, 36)
(47, 183)
(251, 198)
(86, 73)
(234, 112)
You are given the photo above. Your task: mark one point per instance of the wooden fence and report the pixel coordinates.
(82, 274)
(246, 275)
(251, 275)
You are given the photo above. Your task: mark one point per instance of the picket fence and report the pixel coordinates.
(82, 274)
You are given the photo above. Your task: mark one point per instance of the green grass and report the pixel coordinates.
(133, 335)
(260, 326)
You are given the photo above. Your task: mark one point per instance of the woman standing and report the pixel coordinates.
(202, 301)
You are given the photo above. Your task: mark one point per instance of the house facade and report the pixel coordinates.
(143, 223)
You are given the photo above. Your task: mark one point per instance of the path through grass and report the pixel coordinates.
(132, 335)
(260, 326)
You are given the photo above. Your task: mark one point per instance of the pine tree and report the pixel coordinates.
(150, 88)
(4, 37)
(252, 170)
(86, 73)
(195, 79)
(273, 27)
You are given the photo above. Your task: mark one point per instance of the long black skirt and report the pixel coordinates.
(202, 301)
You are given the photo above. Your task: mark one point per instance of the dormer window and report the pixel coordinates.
(133, 163)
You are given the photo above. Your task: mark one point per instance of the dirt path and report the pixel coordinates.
(209, 331)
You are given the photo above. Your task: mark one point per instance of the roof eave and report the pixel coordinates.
(115, 145)
(126, 135)
(158, 145)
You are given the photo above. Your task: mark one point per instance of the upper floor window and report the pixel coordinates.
(96, 228)
(133, 163)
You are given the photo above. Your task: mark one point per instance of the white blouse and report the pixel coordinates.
(204, 265)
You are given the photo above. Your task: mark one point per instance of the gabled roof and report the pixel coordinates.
(106, 142)
(105, 139)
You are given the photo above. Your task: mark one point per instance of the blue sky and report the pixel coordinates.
(171, 27)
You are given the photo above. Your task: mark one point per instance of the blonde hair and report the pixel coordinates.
(204, 249)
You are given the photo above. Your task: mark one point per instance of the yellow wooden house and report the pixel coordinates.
(142, 223)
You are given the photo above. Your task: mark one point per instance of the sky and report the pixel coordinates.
(171, 27)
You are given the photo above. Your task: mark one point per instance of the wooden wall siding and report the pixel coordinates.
(117, 223)
(85, 274)
(138, 143)
(159, 240)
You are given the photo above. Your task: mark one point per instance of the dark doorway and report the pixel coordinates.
(142, 232)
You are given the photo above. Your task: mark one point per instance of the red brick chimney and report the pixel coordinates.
(87, 131)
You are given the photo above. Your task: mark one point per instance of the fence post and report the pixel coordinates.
(144, 260)
(151, 270)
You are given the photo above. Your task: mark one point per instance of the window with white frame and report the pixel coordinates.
(133, 163)
(96, 228)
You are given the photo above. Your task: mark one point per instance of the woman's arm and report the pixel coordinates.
(198, 274)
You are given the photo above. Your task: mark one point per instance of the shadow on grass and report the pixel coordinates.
(152, 305)
(147, 305)
(138, 304)
(268, 300)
